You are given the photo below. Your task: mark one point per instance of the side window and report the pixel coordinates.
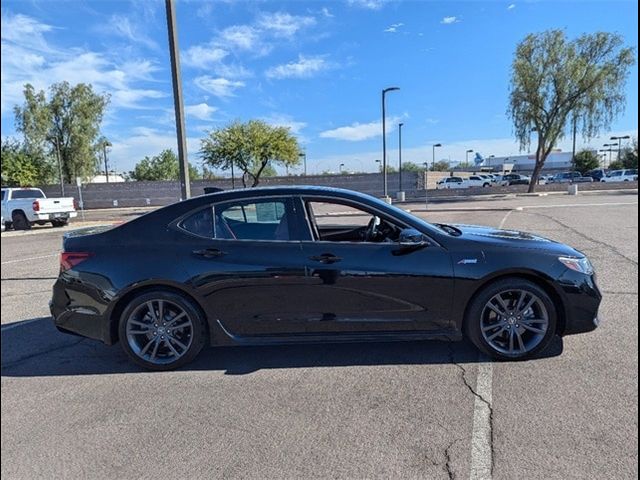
(341, 222)
(200, 223)
(268, 219)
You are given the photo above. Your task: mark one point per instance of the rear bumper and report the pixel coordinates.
(54, 216)
(583, 300)
(70, 317)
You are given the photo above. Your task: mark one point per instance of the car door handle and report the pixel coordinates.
(209, 253)
(325, 258)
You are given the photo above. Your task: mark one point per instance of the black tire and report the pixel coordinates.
(20, 221)
(474, 318)
(197, 337)
(59, 223)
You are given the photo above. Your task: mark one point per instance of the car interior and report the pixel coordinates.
(365, 226)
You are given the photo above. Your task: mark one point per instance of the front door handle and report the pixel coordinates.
(209, 253)
(326, 258)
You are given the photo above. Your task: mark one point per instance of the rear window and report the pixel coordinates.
(26, 193)
(200, 223)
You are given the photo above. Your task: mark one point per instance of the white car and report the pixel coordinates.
(24, 207)
(478, 181)
(621, 176)
(451, 183)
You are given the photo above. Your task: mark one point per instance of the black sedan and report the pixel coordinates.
(279, 265)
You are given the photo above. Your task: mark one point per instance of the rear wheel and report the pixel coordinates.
(512, 319)
(162, 330)
(59, 223)
(20, 221)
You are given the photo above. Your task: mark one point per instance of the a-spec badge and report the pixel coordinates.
(468, 261)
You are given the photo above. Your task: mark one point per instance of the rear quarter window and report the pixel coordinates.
(199, 223)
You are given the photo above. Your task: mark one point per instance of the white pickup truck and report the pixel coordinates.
(24, 207)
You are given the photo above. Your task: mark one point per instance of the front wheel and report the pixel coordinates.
(20, 221)
(162, 330)
(511, 319)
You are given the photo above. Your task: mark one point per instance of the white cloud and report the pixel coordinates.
(368, 4)
(357, 132)
(201, 111)
(203, 56)
(449, 20)
(284, 25)
(280, 120)
(393, 28)
(122, 26)
(326, 12)
(243, 37)
(511, 7)
(220, 87)
(29, 57)
(304, 67)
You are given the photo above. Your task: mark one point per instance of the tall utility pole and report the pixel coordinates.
(303, 155)
(573, 150)
(178, 105)
(59, 166)
(400, 156)
(384, 140)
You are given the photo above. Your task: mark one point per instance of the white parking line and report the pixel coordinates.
(611, 204)
(29, 259)
(481, 437)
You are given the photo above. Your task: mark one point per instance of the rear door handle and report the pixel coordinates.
(326, 258)
(209, 253)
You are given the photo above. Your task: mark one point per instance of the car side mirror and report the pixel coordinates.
(410, 237)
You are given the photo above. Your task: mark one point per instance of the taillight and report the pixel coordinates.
(36, 206)
(75, 204)
(69, 260)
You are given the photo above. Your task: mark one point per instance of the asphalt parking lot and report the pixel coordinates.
(73, 408)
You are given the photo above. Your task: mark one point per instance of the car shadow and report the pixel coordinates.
(34, 348)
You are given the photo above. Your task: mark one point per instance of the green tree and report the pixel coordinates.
(441, 166)
(21, 168)
(68, 125)
(164, 166)
(616, 165)
(629, 156)
(586, 160)
(412, 167)
(251, 147)
(466, 165)
(556, 81)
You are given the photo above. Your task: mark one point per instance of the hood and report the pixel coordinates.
(515, 239)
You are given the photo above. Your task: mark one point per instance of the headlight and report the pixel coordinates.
(582, 265)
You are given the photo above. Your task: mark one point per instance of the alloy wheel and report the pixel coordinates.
(514, 322)
(159, 331)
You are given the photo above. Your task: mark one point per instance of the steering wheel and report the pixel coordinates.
(372, 229)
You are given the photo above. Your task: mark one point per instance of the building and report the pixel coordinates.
(556, 161)
(113, 178)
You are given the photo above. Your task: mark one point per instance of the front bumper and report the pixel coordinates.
(582, 302)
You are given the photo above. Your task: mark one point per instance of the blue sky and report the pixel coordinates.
(317, 67)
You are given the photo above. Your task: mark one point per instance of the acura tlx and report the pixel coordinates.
(279, 265)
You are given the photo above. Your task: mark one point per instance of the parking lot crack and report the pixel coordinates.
(586, 237)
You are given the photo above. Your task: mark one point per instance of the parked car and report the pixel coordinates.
(565, 177)
(545, 179)
(477, 181)
(621, 176)
(2, 225)
(597, 174)
(261, 267)
(24, 207)
(451, 182)
(514, 179)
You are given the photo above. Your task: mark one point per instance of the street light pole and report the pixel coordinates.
(466, 161)
(106, 144)
(619, 139)
(178, 104)
(400, 156)
(575, 131)
(59, 166)
(341, 167)
(304, 158)
(384, 140)
(433, 156)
